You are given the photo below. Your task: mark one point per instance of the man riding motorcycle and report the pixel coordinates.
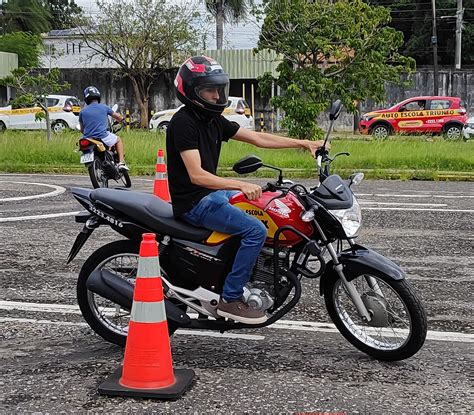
(193, 141)
(94, 123)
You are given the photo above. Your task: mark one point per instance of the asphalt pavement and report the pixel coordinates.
(52, 362)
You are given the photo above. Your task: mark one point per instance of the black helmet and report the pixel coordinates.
(198, 74)
(91, 93)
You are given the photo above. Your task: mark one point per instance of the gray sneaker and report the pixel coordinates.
(241, 312)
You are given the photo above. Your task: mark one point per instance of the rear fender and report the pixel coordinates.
(359, 260)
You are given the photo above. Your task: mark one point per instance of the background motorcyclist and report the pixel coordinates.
(199, 196)
(93, 120)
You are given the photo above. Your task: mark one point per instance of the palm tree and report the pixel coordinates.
(226, 11)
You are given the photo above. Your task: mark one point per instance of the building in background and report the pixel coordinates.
(8, 62)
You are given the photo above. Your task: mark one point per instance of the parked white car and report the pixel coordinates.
(468, 130)
(237, 111)
(63, 111)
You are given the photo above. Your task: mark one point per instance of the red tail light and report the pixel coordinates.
(462, 111)
(84, 143)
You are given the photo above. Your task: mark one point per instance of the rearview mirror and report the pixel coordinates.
(335, 110)
(248, 164)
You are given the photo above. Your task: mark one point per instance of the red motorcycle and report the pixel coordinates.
(311, 234)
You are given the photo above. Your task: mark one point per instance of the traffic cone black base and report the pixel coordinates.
(184, 379)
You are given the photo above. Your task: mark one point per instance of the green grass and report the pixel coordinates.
(398, 157)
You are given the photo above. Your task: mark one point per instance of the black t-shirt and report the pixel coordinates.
(191, 131)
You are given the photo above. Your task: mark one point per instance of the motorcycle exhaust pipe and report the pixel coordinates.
(112, 287)
(119, 291)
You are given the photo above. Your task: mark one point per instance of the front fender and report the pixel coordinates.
(359, 260)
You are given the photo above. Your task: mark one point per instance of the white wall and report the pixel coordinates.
(65, 53)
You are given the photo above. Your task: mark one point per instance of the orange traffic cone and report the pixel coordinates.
(160, 187)
(147, 370)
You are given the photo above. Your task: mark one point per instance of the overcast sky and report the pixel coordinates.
(241, 36)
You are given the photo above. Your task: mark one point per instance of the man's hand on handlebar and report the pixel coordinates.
(251, 191)
(313, 146)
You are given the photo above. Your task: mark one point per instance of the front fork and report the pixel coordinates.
(350, 288)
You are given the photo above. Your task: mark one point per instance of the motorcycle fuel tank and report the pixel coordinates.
(274, 210)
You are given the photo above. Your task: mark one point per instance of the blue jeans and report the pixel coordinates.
(216, 213)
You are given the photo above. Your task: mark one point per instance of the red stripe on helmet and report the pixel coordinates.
(179, 83)
(195, 67)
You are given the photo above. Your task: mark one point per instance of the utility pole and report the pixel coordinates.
(459, 16)
(434, 42)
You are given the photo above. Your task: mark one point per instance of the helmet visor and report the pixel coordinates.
(213, 93)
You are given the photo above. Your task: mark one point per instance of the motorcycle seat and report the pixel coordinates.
(150, 211)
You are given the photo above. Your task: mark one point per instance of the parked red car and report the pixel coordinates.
(429, 114)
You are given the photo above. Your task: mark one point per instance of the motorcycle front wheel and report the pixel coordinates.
(97, 174)
(398, 326)
(125, 177)
(107, 319)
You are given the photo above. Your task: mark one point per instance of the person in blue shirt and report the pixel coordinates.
(94, 123)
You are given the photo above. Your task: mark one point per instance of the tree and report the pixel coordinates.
(28, 47)
(226, 11)
(143, 38)
(34, 89)
(64, 13)
(25, 16)
(414, 19)
(330, 49)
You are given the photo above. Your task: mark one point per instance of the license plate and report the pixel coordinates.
(87, 158)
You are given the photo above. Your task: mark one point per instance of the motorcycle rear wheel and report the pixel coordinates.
(97, 174)
(398, 328)
(106, 318)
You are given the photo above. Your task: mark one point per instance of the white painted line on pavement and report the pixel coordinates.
(201, 333)
(419, 209)
(438, 195)
(297, 325)
(37, 217)
(57, 191)
(368, 202)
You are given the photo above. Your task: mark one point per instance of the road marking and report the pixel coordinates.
(202, 333)
(419, 209)
(297, 325)
(431, 196)
(368, 202)
(36, 217)
(57, 191)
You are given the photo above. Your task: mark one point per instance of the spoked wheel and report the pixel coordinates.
(380, 132)
(453, 132)
(97, 174)
(107, 319)
(59, 126)
(398, 326)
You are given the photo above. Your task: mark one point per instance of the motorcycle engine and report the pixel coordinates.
(259, 291)
(110, 169)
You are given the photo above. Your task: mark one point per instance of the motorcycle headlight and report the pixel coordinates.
(351, 219)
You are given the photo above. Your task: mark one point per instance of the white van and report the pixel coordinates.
(63, 111)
